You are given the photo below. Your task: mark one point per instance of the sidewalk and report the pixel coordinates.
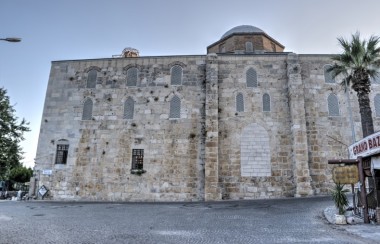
(367, 231)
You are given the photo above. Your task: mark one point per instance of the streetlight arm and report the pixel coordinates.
(11, 39)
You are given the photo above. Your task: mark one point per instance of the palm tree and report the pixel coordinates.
(358, 63)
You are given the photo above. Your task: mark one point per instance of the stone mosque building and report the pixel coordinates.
(245, 121)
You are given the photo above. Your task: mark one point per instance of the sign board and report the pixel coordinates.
(47, 172)
(346, 174)
(367, 146)
(42, 191)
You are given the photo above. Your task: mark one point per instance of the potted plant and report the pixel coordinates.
(341, 202)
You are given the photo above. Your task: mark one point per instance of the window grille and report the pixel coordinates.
(333, 105)
(175, 108)
(87, 110)
(62, 152)
(239, 103)
(91, 78)
(251, 78)
(248, 47)
(328, 76)
(129, 106)
(266, 102)
(377, 105)
(137, 159)
(176, 75)
(132, 77)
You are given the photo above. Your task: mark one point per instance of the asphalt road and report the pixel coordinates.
(261, 221)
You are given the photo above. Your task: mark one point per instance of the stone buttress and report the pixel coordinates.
(212, 191)
(301, 173)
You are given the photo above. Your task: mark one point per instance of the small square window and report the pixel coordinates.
(61, 156)
(137, 161)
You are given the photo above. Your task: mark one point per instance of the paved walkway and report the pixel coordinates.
(293, 220)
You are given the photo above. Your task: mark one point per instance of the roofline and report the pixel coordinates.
(255, 54)
(317, 54)
(199, 55)
(163, 56)
(244, 34)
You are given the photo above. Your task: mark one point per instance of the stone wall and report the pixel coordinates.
(272, 79)
(215, 149)
(99, 161)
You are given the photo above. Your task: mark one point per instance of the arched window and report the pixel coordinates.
(266, 102)
(251, 78)
(377, 105)
(175, 108)
(328, 76)
(333, 105)
(222, 48)
(132, 76)
(239, 102)
(87, 110)
(129, 106)
(248, 47)
(91, 78)
(62, 151)
(176, 75)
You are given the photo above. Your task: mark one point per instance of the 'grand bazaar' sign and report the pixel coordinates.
(367, 146)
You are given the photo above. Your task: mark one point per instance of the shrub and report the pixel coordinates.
(340, 197)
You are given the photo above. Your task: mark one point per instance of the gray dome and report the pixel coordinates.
(243, 29)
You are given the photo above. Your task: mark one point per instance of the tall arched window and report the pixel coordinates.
(266, 102)
(175, 108)
(176, 75)
(377, 105)
(328, 76)
(91, 78)
(251, 78)
(87, 109)
(129, 108)
(62, 151)
(132, 76)
(239, 102)
(248, 47)
(333, 105)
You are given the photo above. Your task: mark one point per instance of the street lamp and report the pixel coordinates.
(11, 39)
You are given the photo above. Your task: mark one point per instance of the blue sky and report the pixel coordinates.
(82, 29)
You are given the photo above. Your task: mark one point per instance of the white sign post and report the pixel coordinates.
(42, 191)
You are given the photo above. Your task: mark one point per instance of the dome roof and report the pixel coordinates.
(243, 29)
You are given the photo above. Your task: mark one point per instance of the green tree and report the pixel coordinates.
(359, 61)
(11, 134)
(20, 174)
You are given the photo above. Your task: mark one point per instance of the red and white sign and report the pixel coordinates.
(367, 146)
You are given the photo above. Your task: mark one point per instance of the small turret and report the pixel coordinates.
(128, 52)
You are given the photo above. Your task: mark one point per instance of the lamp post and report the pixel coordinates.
(11, 39)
